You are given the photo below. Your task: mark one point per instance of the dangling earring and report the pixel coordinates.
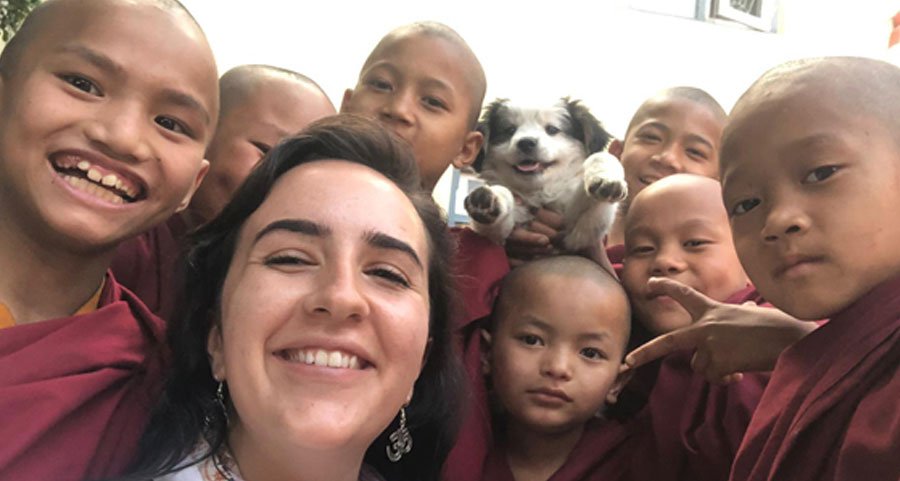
(220, 399)
(401, 440)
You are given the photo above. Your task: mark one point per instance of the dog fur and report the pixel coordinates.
(548, 157)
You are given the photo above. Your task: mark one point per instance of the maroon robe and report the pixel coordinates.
(75, 392)
(480, 266)
(832, 408)
(616, 256)
(147, 265)
(600, 455)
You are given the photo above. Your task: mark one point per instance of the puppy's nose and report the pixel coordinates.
(526, 145)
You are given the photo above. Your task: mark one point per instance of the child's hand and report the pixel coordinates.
(534, 240)
(728, 339)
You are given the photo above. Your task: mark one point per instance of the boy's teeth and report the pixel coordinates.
(84, 165)
(94, 175)
(110, 180)
(323, 358)
(93, 189)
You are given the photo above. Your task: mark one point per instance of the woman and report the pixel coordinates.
(315, 340)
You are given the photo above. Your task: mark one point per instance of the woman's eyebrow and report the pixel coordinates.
(384, 241)
(300, 226)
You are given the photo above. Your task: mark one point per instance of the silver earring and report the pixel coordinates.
(220, 399)
(401, 440)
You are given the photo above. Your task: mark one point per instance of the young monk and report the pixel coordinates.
(552, 364)
(811, 180)
(260, 104)
(677, 228)
(102, 134)
(424, 82)
(674, 131)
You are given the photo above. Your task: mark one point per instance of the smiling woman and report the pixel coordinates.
(314, 341)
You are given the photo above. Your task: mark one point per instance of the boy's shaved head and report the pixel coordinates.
(477, 82)
(692, 94)
(516, 284)
(866, 87)
(237, 84)
(38, 20)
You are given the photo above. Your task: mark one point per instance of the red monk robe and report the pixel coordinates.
(76, 392)
(601, 454)
(480, 266)
(146, 265)
(832, 408)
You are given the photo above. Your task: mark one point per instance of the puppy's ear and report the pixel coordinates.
(488, 117)
(593, 135)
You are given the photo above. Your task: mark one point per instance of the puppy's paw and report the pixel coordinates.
(604, 178)
(483, 205)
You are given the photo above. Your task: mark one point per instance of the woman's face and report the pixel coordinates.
(324, 315)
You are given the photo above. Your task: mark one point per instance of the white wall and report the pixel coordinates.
(609, 55)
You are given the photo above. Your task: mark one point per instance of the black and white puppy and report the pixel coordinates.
(551, 157)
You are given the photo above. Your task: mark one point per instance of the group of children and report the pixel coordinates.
(111, 118)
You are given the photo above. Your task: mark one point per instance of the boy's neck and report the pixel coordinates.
(42, 282)
(535, 456)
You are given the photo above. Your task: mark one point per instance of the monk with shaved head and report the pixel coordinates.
(106, 109)
(424, 82)
(811, 182)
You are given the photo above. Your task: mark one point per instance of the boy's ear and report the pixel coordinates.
(622, 379)
(470, 149)
(615, 148)
(345, 99)
(201, 174)
(216, 353)
(485, 351)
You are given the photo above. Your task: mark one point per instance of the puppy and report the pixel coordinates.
(551, 157)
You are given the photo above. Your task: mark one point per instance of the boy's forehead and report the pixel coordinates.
(665, 104)
(698, 196)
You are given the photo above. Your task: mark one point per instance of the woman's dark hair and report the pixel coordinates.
(188, 411)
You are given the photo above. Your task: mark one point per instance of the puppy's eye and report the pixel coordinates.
(552, 129)
(510, 131)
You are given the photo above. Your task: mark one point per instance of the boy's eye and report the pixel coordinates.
(552, 129)
(593, 354)
(82, 84)
(169, 123)
(531, 340)
(640, 250)
(649, 137)
(434, 103)
(820, 174)
(696, 243)
(261, 147)
(696, 154)
(390, 275)
(744, 206)
(379, 84)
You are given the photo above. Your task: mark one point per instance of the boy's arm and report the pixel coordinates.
(728, 339)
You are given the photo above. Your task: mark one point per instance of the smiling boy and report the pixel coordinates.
(95, 147)
(811, 181)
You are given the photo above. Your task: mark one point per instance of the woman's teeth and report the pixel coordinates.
(322, 358)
